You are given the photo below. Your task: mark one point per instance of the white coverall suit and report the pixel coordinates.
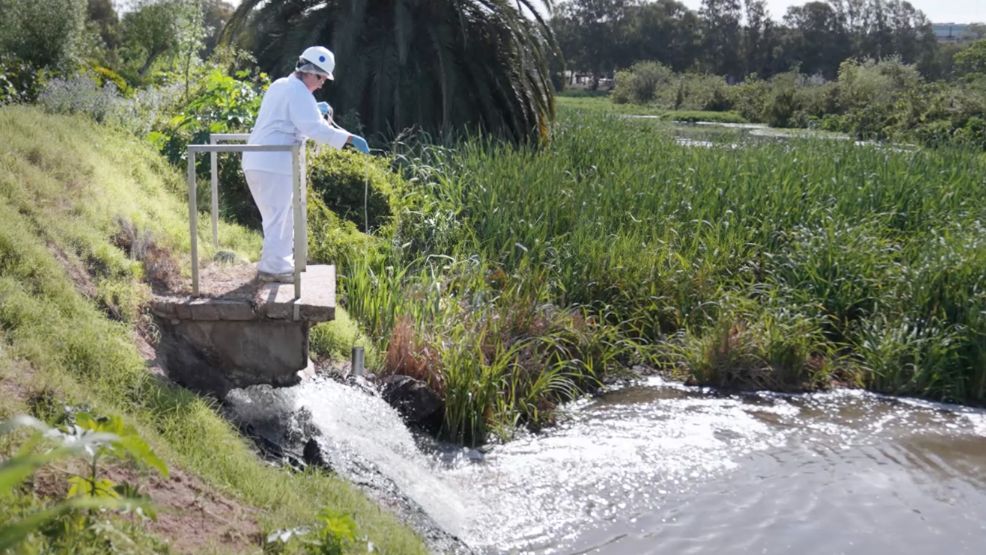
(288, 114)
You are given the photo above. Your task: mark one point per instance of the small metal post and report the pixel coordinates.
(214, 166)
(193, 221)
(357, 366)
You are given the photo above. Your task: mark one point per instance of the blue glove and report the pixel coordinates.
(325, 108)
(359, 143)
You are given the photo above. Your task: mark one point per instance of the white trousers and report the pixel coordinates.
(272, 193)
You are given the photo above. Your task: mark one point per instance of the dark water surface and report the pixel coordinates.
(663, 468)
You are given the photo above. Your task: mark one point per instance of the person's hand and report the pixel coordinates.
(359, 143)
(325, 109)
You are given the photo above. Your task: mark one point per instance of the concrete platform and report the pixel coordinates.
(239, 331)
(234, 294)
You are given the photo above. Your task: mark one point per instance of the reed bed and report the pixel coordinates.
(783, 264)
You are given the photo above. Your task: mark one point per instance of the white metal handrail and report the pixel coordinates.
(299, 198)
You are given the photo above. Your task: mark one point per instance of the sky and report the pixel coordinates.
(938, 11)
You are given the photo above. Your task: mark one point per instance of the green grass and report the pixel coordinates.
(65, 184)
(692, 116)
(777, 264)
(602, 104)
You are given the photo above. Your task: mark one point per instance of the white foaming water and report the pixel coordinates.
(359, 429)
(607, 461)
(653, 460)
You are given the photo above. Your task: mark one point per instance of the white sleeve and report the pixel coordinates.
(305, 116)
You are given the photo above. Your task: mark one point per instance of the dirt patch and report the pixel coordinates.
(191, 517)
(228, 281)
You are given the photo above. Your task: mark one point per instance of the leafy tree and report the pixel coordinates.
(665, 31)
(821, 42)
(971, 59)
(148, 33)
(722, 39)
(44, 33)
(103, 21)
(168, 31)
(759, 38)
(443, 65)
(592, 34)
(216, 14)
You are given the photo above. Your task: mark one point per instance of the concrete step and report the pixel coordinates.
(234, 294)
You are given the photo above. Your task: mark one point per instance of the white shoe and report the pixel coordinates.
(265, 277)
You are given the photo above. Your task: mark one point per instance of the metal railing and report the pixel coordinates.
(218, 143)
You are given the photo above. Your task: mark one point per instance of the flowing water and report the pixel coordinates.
(658, 467)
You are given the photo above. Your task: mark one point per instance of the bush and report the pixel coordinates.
(81, 94)
(332, 240)
(44, 33)
(638, 85)
(751, 347)
(358, 188)
(335, 339)
(697, 91)
(19, 81)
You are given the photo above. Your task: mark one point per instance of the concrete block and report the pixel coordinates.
(234, 310)
(203, 309)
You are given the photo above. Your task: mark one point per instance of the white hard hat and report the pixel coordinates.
(319, 59)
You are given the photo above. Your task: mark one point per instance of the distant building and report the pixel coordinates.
(956, 32)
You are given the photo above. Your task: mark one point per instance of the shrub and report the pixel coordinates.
(82, 94)
(638, 85)
(357, 188)
(751, 347)
(333, 240)
(44, 33)
(696, 91)
(19, 81)
(335, 339)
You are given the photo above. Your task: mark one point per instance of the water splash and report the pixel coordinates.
(656, 459)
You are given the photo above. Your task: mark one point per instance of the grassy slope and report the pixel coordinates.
(64, 185)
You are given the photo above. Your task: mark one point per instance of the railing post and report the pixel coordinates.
(299, 232)
(304, 206)
(193, 221)
(214, 167)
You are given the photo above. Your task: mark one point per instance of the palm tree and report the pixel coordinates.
(444, 66)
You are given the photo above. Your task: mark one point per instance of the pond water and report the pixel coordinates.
(658, 467)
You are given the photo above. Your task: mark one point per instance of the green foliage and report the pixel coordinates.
(886, 100)
(748, 347)
(333, 240)
(335, 339)
(971, 59)
(19, 81)
(692, 116)
(218, 103)
(638, 85)
(86, 493)
(762, 266)
(332, 534)
(357, 188)
(444, 67)
(43, 33)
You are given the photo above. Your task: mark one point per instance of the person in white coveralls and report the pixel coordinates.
(288, 114)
